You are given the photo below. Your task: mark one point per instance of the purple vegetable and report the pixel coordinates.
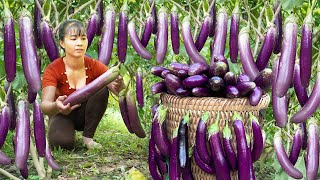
(230, 78)
(218, 69)
(182, 74)
(123, 109)
(31, 96)
(243, 78)
(296, 147)
(252, 176)
(228, 148)
(287, 57)
(11, 104)
(51, 162)
(4, 159)
(195, 81)
(245, 88)
(172, 82)
(234, 33)
(213, 19)
(100, 18)
(4, 124)
(312, 150)
(304, 135)
(183, 92)
(174, 22)
(301, 92)
(152, 161)
(158, 87)
(92, 27)
(162, 36)
(283, 159)
(174, 173)
(202, 165)
(258, 146)
(39, 129)
(49, 44)
(154, 16)
(178, 66)
(248, 64)
(201, 139)
(216, 83)
(147, 31)
(24, 171)
(255, 96)
(278, 24)
(198, 68)
(157, 70)
(123, 33)
(106, 42)
(9, 51)
(204, 33)
(265, 78)
(266, 49)
(201, 92)
(136, 43)
(232, 92)
(183, 141)
(36, 25)
(139, 87)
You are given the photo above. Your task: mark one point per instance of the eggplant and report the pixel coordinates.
(182, 74)
(136, 43)
(198, 68)
(178, 66)
(195, 81)
(248, 64)
(252, 176)
(278, 24)
(162, 36)
(312, 150)
(255, 96)
(152, 161)
(36, 25)
(311, 105)
(183, 92)
(304, 135)
(106, 41)
(139, 87)
(232, 92)
(213, 18)
(24, 171)
(265, 78)
(228, 148)
(234, 33)
(204, 33)
(123, 109)
(201, 139)
(230, 79)
(11, 104)
(157, 70)
(216, 83)
(28, 52)
(49, 44)
(4, 159)
(123, 32)
(92, 27)
(22, 140)
(154, 16)
(218, 69)
(183, 141)
(202, 92)
(245, 88)
(243, 78)
(172, 82)
(4, 124)
(296, 146)
(147, 31)
(306, 50)
(158, 87)
(300, 90)
(258, 146)
(202, 165)
(174, 22)
(39, 129)
(31, 96)
(220, 35)
(174, 173)
(220, 163)
(242, 148)
(287, 57)
(187, 172)
(283, 159)
(100, 18)
(266, 49)
(191, 49)
(9, 51)
(90, 89)
(51, 162)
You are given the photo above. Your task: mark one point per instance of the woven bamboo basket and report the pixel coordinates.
(179, 106)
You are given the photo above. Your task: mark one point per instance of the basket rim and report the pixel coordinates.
(212, 97)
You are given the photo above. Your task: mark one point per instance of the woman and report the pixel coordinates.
(64, 76)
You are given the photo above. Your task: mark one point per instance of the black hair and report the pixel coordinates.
(71, 24)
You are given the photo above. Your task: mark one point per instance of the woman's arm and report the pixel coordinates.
(51, 106)
(116, 85)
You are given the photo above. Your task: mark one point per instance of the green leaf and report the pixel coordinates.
(290, 4)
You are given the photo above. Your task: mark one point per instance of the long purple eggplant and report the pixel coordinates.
(157, 70)
(300, 90)
(37, 25)
(51, 162)
(147, 31)
(220, 163)
(220, 35)
(187, 172)
(123, 109)
(304, 135)
(255, 96)
(174, 173)
(204, 33)
(202, 165)
(278, 24)
(287, 57)
(283, 159)
(152, 161)
(228, 148)
(248, 64)
(296, 146)
(242, 148)
(195, 81)
(136, 43)
(213, 18)
(93, 87)
(198, 68)
(158, 87)
(123, 33)
(24, 171)
(28, 51)
(183, 141)
(154, 16)
(266, 49)
(162, 36)
(139, 87)
(232, 92)
(100, 18)
(252, 175)
(279, 104)
(174, 23)
(312, 150)
(4, 159)
(234, 33)
(201, 139)
(106, 42)
(311, 105)
(4, 124)
(12, 106)
(31, 96)
(257, 147)
(173, 82)
(39, 129)
(92, 27)
(9, 51)
(188, 42)
(49, 42)
(306, 50)
(22, 145)
(159, 133)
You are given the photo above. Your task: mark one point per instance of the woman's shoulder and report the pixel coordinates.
(56, 65)
(91, 62)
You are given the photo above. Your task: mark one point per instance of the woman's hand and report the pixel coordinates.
(116, 85)
(65, 109)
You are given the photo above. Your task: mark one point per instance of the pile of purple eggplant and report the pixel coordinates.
(202, 80)
(212, 149)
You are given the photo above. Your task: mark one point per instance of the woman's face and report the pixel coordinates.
(74, 45)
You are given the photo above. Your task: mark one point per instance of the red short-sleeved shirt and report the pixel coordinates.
(55, 75)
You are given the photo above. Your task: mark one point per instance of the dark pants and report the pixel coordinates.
(85, 118)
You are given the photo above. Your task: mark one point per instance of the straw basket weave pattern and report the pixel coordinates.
(179, 106)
